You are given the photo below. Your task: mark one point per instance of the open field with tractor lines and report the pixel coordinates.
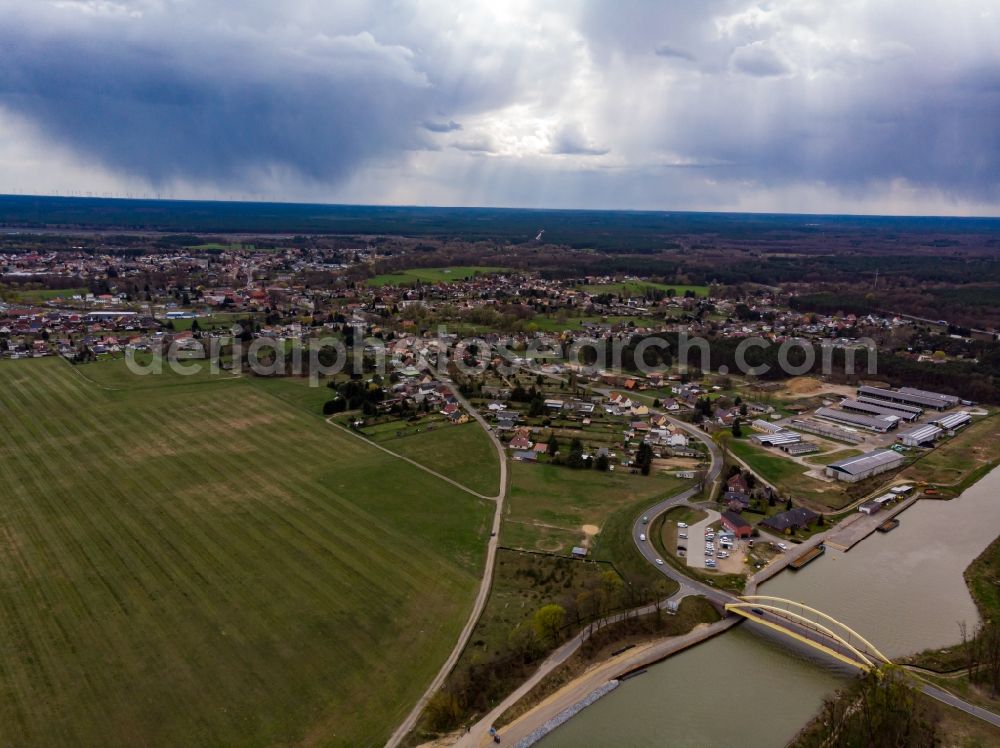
(203, 563)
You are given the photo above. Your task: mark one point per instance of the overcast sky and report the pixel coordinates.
(877, 106)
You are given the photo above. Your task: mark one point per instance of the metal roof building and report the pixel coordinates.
(759, 424)
(919, 398)
(953, 420)
(951, 400)
(898, 407)
(858, 468)
(799, 448)
(919, 435)
(774, 440)
(880, 424)
(859, 406)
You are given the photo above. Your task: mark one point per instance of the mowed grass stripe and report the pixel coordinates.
(61, 593)
(344, 551)
(126, 554)
(300, 665)
(312, 590)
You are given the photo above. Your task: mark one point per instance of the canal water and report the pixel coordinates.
(902, 590)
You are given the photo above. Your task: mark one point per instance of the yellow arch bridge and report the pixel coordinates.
(812, 627)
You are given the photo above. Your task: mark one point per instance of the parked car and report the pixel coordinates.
(682, 535)
(682, 524)
(782, 546)
(709, 563)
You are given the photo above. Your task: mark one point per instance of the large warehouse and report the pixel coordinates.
(878, 409)
(899, 407)
(858, 468)
(880, 424)
(910, 396)
(919, 435)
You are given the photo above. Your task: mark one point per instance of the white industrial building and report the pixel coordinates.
(919, 436)
(953, 421)
(858, 468)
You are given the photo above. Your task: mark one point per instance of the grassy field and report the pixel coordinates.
(37, 296)
(956, 461)
(462, 452)
(549, 504)
(199, 563)
(432, 275)
(826, 459)
(639, 288)
(788, 476)
(220, 320)
(550, 323)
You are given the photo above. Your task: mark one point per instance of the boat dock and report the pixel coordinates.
(849, 535)
(808, 557)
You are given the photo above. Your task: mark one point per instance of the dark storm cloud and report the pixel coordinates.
(790, 93)
(220, 107)
(772, 96)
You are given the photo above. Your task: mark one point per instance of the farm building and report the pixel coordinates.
(776, 439)
(898, 408)
(858, 468)
(873, 409)
(910, 396)
(827, 430)
(919, 435)
(766, 427)
(950, 400)
(799, 448)
(953, 421)
(879, 424)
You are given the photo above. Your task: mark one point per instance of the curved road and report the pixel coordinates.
(484, 588)
(648, 550)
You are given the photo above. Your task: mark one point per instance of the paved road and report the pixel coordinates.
(484, 588)
(646, 548)
(946, 698)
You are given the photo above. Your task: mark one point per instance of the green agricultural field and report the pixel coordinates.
(36, 296)
(202, 563)
(462, 452)
(551, 323)
(432, 275)
(639, 288)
